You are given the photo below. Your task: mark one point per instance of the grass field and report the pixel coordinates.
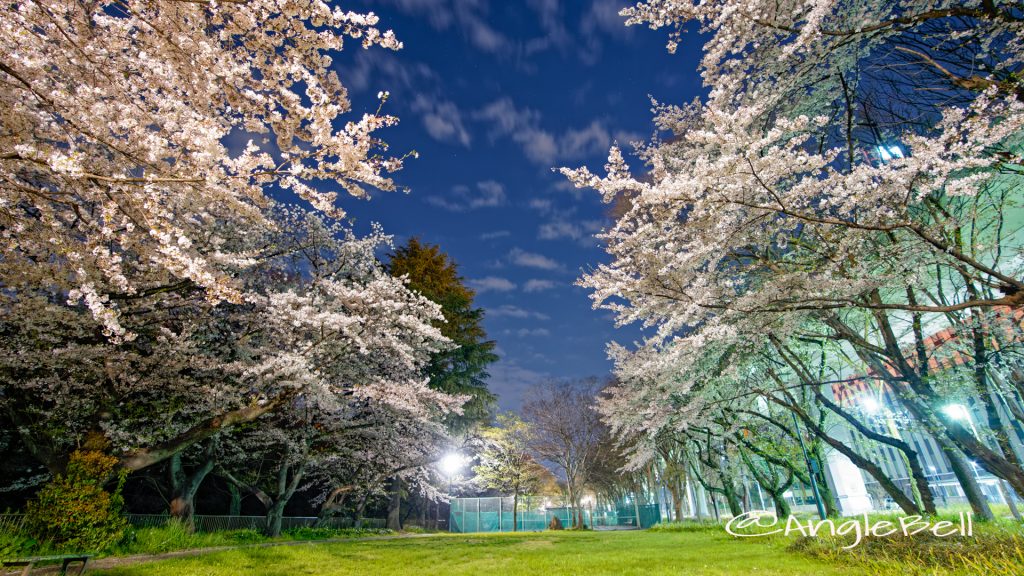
(535, 554)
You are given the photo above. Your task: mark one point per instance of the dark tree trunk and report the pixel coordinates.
(733, 499)
(965, 476)
(515, 512)
(286, 488)
(395, 505)
(184, 487)
(360, 508)
(235, 508)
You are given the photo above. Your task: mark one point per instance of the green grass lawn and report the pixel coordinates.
(534, 554)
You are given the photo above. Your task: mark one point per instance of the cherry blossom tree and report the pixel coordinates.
(134, 130)
(324, 322)
(848, 179)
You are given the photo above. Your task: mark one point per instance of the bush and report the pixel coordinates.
(686, 526)
(992, 550)
(314, 533)
(14, 544)
(176, 535)
(74, 512)
(244, 536)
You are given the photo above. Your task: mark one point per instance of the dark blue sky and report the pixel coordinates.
(493, 95)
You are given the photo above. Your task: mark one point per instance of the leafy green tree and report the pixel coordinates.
(506, 464)
(462, 369)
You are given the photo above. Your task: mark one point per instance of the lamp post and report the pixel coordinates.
(450, 465)
(811, 469)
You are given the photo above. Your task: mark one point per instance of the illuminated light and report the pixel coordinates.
(452, 463)
(956, 411)
(870, 405)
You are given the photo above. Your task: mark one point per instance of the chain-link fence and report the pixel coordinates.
(534, 514)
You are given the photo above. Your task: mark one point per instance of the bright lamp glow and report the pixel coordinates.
(956, 411)
(869, 404)
(451, 463)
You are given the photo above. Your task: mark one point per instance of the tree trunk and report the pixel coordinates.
(732, 498)
(184, 487)
(677, 503)
(235, 508)
(360, 508)
(395, 505)
(824, 490)
(515, 512)
(275, 515)
(782, 509)
(285, 490)
(965, 475)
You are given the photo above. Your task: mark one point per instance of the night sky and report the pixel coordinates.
(493, 95)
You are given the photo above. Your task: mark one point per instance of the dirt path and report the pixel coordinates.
(118, 561)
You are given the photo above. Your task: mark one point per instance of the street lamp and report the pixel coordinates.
(960, 412)
(451, 463)
(869, 404)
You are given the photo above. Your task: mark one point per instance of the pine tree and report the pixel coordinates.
(461, 370)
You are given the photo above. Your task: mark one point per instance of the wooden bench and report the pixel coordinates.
(65, 560)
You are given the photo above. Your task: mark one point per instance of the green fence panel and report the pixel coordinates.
(495, 515)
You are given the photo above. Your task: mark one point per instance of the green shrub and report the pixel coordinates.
(992, 550)
(244, 536)
(315, 533)
(74, 512)
(686, 526)
(16, 544)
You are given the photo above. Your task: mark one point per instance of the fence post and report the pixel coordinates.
(499, 514)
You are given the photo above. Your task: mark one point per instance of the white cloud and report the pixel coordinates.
(603, 17)
(488, 194)
(542, 205)
(532, 332)
(492, 194)
(536, 285)
(526, 259)
(510, 311)
(559, 229)
(600, 22)
(492, 284)
(375, 70)
(442, 120)
(590, 141)
(469, 16)
(523, 126)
